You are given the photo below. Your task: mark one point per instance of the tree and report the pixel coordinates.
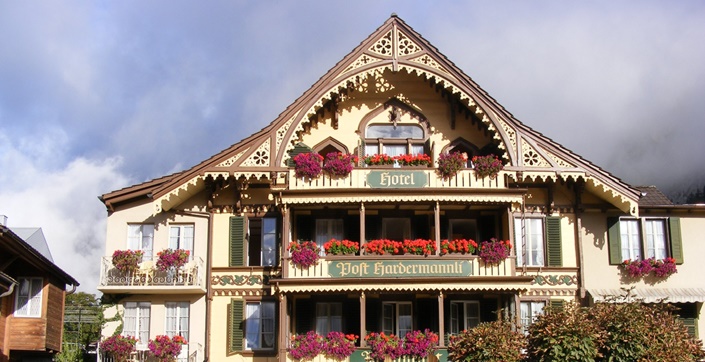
(83, 319)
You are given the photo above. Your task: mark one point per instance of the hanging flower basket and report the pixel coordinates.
(495, 251)
(339, 164)
(304, 253)
(127, 260)
(172, 259)
(486, 166)
(307, 165)
(450, 163)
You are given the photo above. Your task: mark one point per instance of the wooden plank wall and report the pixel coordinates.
(4, 352)
(54, 317)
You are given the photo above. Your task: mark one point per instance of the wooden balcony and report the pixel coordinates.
(189, 279)
(396, 178)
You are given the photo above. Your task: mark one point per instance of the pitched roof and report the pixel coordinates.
(35, 238)
(393, 46)
(652, 196)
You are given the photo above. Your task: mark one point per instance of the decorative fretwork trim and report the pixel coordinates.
(260, 157)
(531, 157)
(230, 161)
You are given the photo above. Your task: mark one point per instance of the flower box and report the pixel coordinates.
(339, 164)
(459, 246)
(378, 160)
(341, 247)
(419, 160)
(127, 260)
(304, 254)
(170, 259)
(307, 165)
(119, 347)
(166, 349)
(495, 251)
(641, 268)
(485, 166)
(450, 163)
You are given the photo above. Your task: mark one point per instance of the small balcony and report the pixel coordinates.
(189, 279)
(399, 178)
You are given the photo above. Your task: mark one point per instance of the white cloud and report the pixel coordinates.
(62, 200)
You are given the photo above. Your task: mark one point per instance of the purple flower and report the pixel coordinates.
(304, 253)
(494, 251)
(307, 164)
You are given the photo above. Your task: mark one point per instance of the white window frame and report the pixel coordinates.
(394, 315)
(28, 297)
(329, 317)
(327, 229)
(268, 252)
(532, 251)
(386, 145)
(643, 237)
(260, 325)
(137, 322)
(141, 237)
(181, 236)
(176, 323)
(529, 310)
(468, 320)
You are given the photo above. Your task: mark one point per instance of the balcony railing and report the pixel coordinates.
(370, 266)
(189, 276)
(427, 178)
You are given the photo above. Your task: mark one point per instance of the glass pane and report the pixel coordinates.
(269, 225)
(394, 150)
(404, 319)
(390, 131)
(417, 149)
(388, 318)
(454, 320)
(252, 326)
(174, 235)
(371, 149)
(519, 241)
(629, 230)
(656, 239)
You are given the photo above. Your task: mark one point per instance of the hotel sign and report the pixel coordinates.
(396, 179)
(399, 268)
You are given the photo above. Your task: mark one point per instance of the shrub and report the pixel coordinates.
(488, 342)
(564, 334)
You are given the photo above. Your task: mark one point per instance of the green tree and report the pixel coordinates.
(83, 319)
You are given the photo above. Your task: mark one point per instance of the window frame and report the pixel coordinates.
(137, 242)
(180, 242)
(395, 319)
(260, 319)
(332, 225)
(35, 298)
(522, 255)
(140, 321)
(329, 317)
(455, 316)
(409, 142)
(175, 310)
(641, 235)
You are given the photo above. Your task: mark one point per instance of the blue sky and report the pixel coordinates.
(96, 96)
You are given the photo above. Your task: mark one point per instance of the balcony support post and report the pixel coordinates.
(286, 226)
(441, 319)
(437, 226)
(283, 326)
(362, 226)
(363, 320)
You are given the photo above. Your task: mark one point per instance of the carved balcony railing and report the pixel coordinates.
(394, 178)
(189, 277)
(369, 266)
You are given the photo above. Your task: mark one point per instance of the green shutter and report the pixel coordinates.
(557, 304)
(237, 240)
(674, 224)
(553, 241)
(692, 325)
(299, 148)
(615, 241)
(235, 325)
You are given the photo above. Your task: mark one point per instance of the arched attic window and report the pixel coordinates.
(329, 145)
(395, 128)
(463, 146)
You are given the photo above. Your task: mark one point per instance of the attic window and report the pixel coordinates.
(394, 140)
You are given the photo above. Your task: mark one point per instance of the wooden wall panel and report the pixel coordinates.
(27, 334)
(55, 317)
(4, 305)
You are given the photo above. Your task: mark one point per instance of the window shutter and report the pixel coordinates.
(615, 241)
(692, 325)
(557, 304)
(553, 241)
(674, 224)
(235, 323)
(299, 148)
(237, 240)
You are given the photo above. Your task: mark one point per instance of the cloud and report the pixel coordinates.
(61, 199)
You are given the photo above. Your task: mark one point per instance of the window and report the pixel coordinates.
(462, 229)
(259, 325)
(140, 237)
(396, 318)
(529, 311)
(529, 250)
(181, 237)
(634, 239)
(177, 324)
(396, 228)
(262, 245)
(464, 315)
(538, 241)
(393, 139)
(28, 300)
(329, 318)
(327, 229)
(137, 321)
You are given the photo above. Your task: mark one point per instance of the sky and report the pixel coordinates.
(97, 95)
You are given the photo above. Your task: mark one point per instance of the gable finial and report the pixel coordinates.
(394, 15)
